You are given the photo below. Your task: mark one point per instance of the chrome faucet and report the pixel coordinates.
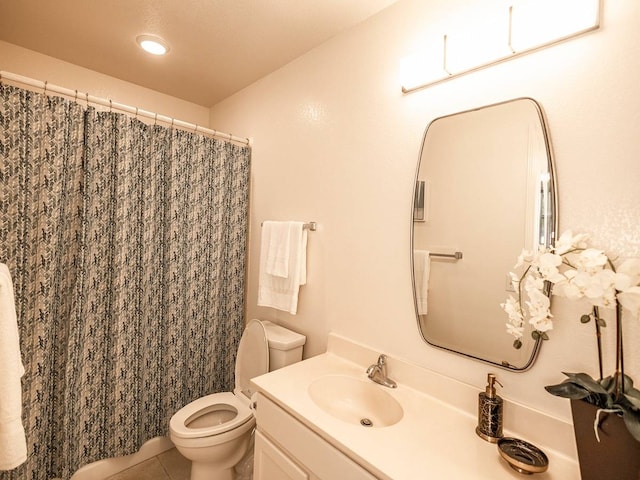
(378, 373)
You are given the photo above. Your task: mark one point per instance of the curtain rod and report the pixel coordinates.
(47, 87)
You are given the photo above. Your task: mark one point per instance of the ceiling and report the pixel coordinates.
(217, 47)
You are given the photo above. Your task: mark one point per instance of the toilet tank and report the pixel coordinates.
(285, 346)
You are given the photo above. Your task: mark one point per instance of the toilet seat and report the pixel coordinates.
(224, 412)
(253, 357)
(209, 416)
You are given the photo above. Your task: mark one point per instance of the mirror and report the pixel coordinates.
(484, 191)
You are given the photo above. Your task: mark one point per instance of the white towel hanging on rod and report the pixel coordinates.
(13, 446)
(277, 289)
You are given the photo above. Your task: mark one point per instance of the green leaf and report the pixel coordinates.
(535, 335)
(568, 389)
(517, 344)
(628, 382)
(632, 421)
(601, 322)
(585, 318)
(608, 383)
(586, 382)
(634, 392)
(634, 398)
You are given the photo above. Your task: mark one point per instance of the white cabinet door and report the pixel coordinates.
(320, 459)
(271, 463)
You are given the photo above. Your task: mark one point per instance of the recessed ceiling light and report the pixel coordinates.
(152, 44)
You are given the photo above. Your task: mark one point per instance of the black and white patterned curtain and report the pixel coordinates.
(127, 247)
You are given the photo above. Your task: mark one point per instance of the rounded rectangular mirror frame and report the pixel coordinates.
(447, 327)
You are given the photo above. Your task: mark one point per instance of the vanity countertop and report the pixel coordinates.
(433, 437)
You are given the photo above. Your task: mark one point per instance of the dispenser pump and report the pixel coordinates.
(491, 386)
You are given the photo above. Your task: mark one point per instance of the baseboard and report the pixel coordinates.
(103, 469)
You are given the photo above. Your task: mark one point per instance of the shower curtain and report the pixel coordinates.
(127, 246)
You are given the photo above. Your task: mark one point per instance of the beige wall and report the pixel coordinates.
(337, 142)
(31, 64)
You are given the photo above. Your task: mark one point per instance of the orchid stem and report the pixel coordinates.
(619, 351)
(596, 316)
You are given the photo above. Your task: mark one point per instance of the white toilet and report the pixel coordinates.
(214, 432)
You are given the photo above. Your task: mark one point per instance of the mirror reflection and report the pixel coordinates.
(484, 191)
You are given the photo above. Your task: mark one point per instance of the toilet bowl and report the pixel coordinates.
(214, 431)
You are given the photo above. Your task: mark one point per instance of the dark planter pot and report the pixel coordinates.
(616, 457)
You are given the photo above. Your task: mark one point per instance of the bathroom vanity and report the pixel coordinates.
(309, 424)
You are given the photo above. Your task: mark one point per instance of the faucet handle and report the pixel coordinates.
(382, 360)
(378, 372)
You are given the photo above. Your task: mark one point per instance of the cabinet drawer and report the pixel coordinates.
(308, 448)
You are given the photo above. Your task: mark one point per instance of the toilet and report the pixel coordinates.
(214, 431)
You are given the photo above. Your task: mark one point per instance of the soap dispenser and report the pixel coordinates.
(490, 408)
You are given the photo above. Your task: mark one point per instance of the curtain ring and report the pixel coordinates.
(110, 106)
(155, 120)
(87, 98)
(45, 86)
(136, 113)
(172, 120)
(76, 99)
(195, 130)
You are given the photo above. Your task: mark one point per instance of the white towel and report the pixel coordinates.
(281, 292)
(421, 271)
(13, 445)
(276, 241)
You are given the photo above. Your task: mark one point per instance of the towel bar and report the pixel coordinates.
(456, 255)
(311, 226)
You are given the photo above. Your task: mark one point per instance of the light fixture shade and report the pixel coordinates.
(536, 23)
(497, 37)
(153, 44)
(478, 43)
(419, 68)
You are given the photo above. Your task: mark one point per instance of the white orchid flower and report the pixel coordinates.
(590, 260)
(533, 283)
(628, 274)
(548, 264)
(512, 307)
(568, 241)
(537, 305)
(515, 281)
(516, 331)
(542, 323)
(526, 256)
(515, 326)
(601, 290)
(574, 286)
(585, 274)
(630, 299)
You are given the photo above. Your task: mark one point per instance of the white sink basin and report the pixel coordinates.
(356, 401)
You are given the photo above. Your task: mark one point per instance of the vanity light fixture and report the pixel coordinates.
(530, 25)
(153, 44)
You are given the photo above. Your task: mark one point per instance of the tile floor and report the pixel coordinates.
(169, 465)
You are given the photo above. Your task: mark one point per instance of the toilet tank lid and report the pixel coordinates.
(282, 338)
